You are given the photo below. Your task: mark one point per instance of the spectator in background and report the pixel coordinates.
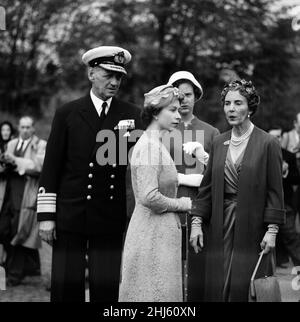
(291, 140)
(228, 75)
(288, 238)
(18, 193)
(6, 134)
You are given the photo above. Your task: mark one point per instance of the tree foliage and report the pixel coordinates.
(44, 41)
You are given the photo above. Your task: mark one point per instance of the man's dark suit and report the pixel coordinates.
(91, 200)
(289, 239)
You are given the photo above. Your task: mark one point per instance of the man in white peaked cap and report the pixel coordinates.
(82, 202)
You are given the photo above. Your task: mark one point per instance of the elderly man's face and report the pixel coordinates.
(105, 83)
(26, 128)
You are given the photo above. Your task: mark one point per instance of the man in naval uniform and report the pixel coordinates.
(82, 198)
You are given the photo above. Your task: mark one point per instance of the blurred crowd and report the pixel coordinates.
(289, 239)
(21, 160)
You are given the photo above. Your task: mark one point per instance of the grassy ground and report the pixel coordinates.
(33, 289)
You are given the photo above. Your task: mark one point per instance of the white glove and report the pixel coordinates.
(189, 180)
(47, 231)
(269, 240)
(196, 237)
(180, 177)
(197, 149)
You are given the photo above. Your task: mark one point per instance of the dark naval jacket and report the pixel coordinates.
(75, 191)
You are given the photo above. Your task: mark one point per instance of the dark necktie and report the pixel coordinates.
(102, 115)
(19, 150)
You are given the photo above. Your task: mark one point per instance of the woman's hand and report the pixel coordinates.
(197, 149)
(196, 237)
(269, 241)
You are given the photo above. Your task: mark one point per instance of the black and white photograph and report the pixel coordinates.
(149, 153)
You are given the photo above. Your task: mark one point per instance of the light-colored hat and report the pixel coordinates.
(188, 76)
(108, 57)
(160, 93)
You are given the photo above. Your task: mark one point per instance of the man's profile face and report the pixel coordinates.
(26, 128)
(105, 83)
(276, 133)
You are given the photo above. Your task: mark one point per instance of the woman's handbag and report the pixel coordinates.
(265, 289)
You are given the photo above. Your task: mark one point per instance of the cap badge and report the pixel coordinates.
(119, 58)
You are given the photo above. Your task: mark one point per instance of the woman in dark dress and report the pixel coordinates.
(241, 196)
(6, 134)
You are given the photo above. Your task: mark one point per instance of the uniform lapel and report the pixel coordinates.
(89, 114)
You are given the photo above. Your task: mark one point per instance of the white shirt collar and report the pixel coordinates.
(26, 142)
(98, 103)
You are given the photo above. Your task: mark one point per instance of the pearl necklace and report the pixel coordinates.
(237, 140)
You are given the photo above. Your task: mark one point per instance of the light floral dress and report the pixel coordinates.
(151, 265)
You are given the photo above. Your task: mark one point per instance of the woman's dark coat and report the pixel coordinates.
(259, 203)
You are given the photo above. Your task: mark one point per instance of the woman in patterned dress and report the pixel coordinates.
(151, 268)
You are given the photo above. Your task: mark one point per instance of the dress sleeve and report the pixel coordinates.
(147, 174)
(201, 205)
(274, 210)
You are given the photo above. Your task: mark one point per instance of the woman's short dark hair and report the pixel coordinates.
(246, 89)
(148, 113)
